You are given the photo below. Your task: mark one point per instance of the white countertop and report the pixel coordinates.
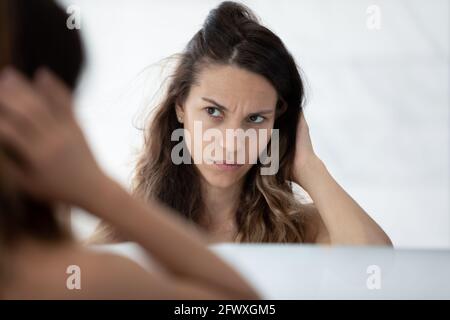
(323, 272)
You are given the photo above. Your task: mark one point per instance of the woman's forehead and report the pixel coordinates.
(231, 86)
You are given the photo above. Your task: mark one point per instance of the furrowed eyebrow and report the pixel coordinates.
(266, 111)
(221, 107)
(214, 103)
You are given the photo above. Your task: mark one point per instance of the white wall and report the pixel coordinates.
(379, 99)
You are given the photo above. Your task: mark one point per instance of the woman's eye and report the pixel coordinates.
(256, 118)
(213, 112)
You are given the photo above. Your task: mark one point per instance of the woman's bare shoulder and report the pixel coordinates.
(74, 272)
(316, 231)
(71, 271)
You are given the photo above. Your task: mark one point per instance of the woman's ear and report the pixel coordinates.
(180, 112)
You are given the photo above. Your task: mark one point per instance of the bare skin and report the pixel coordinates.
(38, 121)
(221, 227)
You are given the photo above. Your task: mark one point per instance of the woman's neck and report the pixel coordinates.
(220, 205)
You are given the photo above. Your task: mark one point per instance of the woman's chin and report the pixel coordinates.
(222, 179)
(222, 176)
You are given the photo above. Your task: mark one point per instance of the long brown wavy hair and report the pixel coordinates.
(268, 210)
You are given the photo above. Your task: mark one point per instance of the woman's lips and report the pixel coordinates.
(227, 166)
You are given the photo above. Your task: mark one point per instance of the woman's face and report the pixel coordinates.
(235, 112)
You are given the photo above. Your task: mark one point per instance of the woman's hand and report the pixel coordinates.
(344, 221)
(37, 123)
(305, 157)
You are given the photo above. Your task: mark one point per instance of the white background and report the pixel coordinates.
(378, 106)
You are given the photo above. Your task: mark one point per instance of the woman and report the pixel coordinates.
(45, 162)
(237, 74)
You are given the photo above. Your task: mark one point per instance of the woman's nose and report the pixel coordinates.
(232, 142)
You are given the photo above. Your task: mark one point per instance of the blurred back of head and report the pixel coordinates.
(33, 34)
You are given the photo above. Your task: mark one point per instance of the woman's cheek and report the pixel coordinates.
(196, 141)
